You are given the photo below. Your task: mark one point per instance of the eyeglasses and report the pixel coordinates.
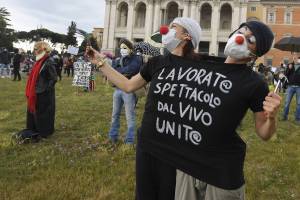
(250, 38)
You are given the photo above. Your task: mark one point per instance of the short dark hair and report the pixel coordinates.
(126, 42)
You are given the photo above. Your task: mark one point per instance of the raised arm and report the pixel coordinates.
(265, 121)
(127, 85)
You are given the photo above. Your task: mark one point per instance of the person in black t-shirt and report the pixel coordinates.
(252, 39)
(185, 124)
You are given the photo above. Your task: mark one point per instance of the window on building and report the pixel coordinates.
(271, 17)
(286, 61)
(204, 47)
(252, 8)
(287, 35)
(221, 49)
(123, 14)
(269, 62)
(288, 18)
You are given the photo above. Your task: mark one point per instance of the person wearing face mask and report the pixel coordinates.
(155, 178)
(128, 65)
(220, 175)
(293, 76)
(40, 94)
(185, 124)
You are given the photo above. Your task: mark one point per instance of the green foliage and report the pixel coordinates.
(6, 34)
(92, 42)
(71, 39)
(38, 34)
(77, 163)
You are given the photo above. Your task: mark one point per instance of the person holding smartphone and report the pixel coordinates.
(186, 123)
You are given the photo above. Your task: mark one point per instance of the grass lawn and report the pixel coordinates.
(76, 162)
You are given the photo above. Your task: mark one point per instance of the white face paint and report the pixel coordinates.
(124, 52)
(170, 41)
(237, 47)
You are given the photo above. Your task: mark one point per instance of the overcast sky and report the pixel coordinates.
(55, 15)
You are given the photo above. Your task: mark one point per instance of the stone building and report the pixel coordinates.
(136, 20)
(284, 19)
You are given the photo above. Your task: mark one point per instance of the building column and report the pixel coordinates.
(106, 25)
(157, 12)
(264, 15)
(149, 19)
(235, 20)
(112, 26)
(215, 21)
(243, 16)
(186, 8)
(130, 18)
(193, 10)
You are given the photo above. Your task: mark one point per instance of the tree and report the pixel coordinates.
(92, 42)
(71, 39)
(6, 34)
(38, 34)
(88, 37)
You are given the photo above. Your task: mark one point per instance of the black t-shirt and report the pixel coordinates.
(192, 112)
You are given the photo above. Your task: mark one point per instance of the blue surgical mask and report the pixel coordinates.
(170, 41)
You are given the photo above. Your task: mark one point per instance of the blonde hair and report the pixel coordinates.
(43, 45)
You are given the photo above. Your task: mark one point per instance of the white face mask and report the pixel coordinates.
(170, 41)
(237, 47)
(124, 52)
(39, 56)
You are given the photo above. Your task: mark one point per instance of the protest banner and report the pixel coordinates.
(82, 73)
(73, 50)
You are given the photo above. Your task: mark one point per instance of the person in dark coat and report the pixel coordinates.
(17, 59)
(5, 61)
(40, 92)
(58, 63)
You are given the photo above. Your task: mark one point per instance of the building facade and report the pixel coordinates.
(284, 19)
(137, 20)
(98, 35)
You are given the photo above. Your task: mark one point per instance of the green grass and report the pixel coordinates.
(76, 162)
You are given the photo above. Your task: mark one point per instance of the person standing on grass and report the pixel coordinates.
(17, 59)
(128, 65)
(40, 92)
(4, 63)
(218, 175)
(293, 76)
(185, 124)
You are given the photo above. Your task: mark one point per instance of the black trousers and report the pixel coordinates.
(155, 179)
(58, 71)
(16, 74)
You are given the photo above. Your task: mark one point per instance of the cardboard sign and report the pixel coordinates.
(73, 50)
(82, 73)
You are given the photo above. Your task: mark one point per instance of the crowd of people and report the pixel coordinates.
(288, 78)
(187, 146)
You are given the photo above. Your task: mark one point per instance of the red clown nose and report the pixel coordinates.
(164, 30)
(239, 40)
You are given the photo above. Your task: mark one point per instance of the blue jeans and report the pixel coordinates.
(4, 70)
(128, 99)
(291, 90)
